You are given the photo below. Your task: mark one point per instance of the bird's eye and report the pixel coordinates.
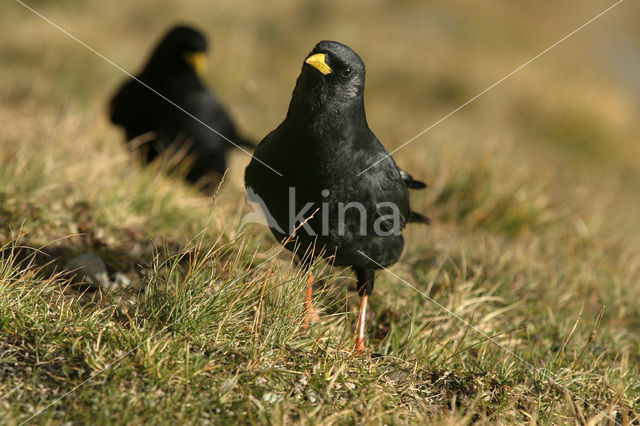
(346, 72)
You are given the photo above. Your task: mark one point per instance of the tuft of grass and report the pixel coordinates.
(475, 197)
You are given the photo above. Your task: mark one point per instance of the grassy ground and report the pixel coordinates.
(534, 193)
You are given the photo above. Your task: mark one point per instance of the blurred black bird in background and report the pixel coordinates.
(320, 148)
(173, 70)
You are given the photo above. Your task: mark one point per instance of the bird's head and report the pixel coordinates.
(182, 49)
(332, 77)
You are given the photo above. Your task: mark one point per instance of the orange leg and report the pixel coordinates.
(312, 315)
(359, 346)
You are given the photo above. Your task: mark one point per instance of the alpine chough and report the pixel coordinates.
(173, 72)
(320, 206)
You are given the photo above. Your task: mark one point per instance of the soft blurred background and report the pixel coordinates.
(534, 194)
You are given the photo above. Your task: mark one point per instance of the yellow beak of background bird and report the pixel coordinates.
(198, 61)
(317, 61)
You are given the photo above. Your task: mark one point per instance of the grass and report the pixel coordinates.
(533, 194)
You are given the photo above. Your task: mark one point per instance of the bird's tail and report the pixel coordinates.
(415, 184)
(410, 182)
(415, 217)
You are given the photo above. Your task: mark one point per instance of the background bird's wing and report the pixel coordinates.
(128, 103)
(206, 107)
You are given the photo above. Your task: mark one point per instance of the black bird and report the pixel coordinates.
(320, 205)
(173, 71)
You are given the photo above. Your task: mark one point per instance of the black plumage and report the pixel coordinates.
(173, 71)
(320, 148)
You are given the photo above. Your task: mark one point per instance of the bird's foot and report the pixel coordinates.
(359, 346)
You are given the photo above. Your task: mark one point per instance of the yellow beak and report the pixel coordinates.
(317, 61)
(198, 61)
